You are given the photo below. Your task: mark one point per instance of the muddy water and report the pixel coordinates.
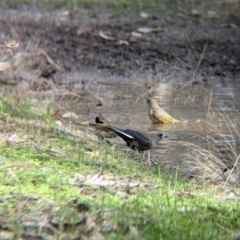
(205, 145)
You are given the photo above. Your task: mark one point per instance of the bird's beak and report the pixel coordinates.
(164, 136)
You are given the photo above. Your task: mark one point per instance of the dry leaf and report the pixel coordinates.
(148, 30)
(195, 13)
(4, 66)
(105, 36)
(212, 14)
(123, 42)
(12, 45)
(144, 15)
(70, 115)
(15, 139)
(136, 34)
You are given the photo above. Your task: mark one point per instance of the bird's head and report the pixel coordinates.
(162, 136)
(151, 102)
(98, 120)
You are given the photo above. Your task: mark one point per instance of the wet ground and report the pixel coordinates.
(97, 63)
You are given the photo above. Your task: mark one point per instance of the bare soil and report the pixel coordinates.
(208, 45)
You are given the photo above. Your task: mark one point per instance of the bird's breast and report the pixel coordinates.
(151, 116)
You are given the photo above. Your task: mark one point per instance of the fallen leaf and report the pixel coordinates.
(212, 14)
(12, 45)
(105, 36)
(144, 15)
(4, 66)
(195, 13)
(15, 139)
(123, 42)
(70, 115)
(136, 34)
(148, 30)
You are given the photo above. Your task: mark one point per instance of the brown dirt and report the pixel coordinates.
(210, 46)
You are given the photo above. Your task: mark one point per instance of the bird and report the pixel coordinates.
(157, 114)
(104, 132)
(99, 119)
(137, 140)
(101, 134)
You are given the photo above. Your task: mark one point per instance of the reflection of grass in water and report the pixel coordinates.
(45, 192)
(213, 156)
(225, 143)
(210, 138)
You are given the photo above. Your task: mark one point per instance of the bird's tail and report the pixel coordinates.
(108, 128)
(175, 120)
(168, 119)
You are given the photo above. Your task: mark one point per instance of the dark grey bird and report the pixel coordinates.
(137, 140)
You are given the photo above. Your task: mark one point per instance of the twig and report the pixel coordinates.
(199, 62)
(95, 97)
(209, 106)
(50, 60)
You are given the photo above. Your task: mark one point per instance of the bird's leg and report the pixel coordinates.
(149, 159)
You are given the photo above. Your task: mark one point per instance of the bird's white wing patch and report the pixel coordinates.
(122, 133)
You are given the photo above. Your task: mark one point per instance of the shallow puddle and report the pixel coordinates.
(205, 144)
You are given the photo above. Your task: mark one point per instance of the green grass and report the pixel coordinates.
(155, 213)
(41, 177)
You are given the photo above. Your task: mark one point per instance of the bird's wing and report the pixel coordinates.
(141, 138)
(126, 135)
(131, 135)
(163, 117)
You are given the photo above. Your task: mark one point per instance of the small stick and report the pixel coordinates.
(209, 106)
